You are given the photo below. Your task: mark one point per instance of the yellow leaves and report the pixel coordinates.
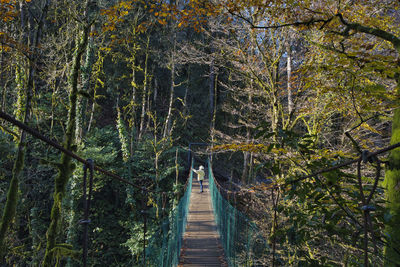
(264, 186)
(194, 14)
(106, 49)
(108, 27)
(161, 14)
(142, 27)
(368, 127)
(116, 14)
(8, 10)
(256, 148)
(162, 21)
(4, 48)
(123, 13)
(125, 5)
(93, 33)
(7, 43)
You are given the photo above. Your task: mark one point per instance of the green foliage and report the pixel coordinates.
(392, 185)
(64, 250)
(244, 247)
(343, 80)
(12, 197)
(123, 137)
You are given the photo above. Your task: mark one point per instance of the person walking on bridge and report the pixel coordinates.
(200, 176)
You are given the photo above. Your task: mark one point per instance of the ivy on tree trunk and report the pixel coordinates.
(65, 167)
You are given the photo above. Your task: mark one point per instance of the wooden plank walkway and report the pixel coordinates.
(201, 245)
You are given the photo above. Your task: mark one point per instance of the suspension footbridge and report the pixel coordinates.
(207, 229)
(202, 246)
(203, 229)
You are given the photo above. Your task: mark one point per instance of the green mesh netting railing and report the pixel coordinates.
(241, 239)
(164, 246)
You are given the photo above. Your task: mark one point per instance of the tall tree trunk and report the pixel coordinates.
(2, 80)
(289, 79)
(91, 116)
(214, 114)
(275, 114)
(98, 68)
(12, 194)
(246, 158)
(72, 198)
(66, 166)
(246, 154)
(167, 126)
(155, 93)
(392, 184)
(149, 108)
(185, 98)
(85, 76)
(123, 138)
(211, 86)
(132, 122)
(145, 89)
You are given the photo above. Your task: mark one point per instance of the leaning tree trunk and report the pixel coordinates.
(66, 166)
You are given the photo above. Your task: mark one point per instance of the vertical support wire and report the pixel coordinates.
(86, 198)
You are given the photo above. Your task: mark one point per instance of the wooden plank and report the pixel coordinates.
(201, 245)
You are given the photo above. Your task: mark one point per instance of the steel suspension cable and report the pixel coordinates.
(56, 145)
(87, 192)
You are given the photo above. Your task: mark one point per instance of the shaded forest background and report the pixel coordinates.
(279, 89)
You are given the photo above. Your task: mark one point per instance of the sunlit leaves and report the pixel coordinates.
(116, 14)
(8, 10)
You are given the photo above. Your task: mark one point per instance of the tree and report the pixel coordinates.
(26, 90)
(66, 166)
(365, 32)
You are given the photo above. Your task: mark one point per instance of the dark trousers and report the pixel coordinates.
(201, 185)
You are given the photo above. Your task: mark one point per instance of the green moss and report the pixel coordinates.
(392, 184)
(66, 167)
(12, 197)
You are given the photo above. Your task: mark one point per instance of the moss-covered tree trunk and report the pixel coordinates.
(392, 183)
(85, 76)
(24, 114)
(145, 89)
(66, 166)
(72, 199)
(12, 194)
